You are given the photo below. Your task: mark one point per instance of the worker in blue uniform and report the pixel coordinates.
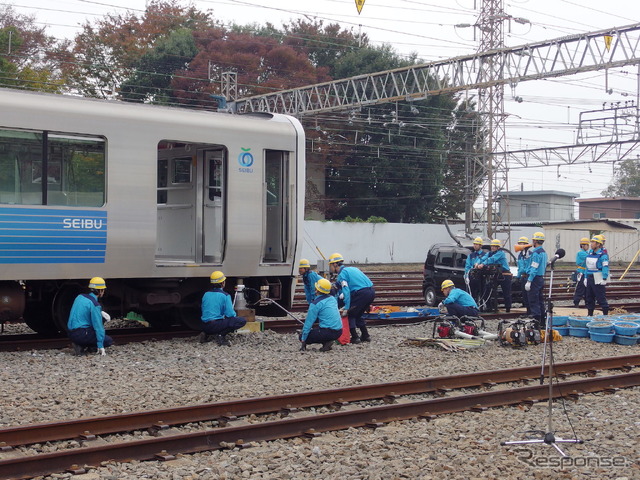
(504, 276)
(581, 267)
(535, 280)
(457, 301)
(324, 310)
(218, 316)
(309, 279)
(524, 258)
(597, 273)
(474, 281)
(85, 325)
(358, 294)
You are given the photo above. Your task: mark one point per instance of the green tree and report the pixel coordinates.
(626, 180)
(152, 77)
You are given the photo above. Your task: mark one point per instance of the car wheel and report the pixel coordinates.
(430, 296)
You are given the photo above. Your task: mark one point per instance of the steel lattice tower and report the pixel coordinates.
(491, 99)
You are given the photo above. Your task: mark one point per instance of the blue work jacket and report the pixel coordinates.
(216, 304)
(351, 279)
(597, 261)
(538, 263)
(496, 258)
(459, 296)
(324, 309)
(86, 312)
(310, 279)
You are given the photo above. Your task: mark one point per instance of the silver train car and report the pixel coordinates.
(151, 198)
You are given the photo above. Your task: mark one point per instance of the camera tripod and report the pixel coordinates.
(549, 437)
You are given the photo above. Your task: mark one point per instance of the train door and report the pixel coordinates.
(190, 203)
(176, 196)
(276, 204)
(213, 211)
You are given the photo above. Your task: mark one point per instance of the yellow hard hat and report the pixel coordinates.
(584, 241)
(598, 238)
(447, 284)
(304, 263)
(323, 285)
(97, 283)
(496, 243)
(523, 240)
(477, 241)
(217, 277)
(335, 258)
(538, 236)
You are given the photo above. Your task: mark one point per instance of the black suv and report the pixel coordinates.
(445, 261)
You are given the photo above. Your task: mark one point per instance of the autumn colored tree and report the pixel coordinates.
(110, 52)
(27, 58)
(262, 63)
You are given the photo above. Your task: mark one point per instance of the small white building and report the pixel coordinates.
(536, 206)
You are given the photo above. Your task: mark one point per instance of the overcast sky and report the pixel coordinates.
(549, 111)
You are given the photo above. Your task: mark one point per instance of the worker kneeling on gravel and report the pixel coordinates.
(85, 326)
(458, 302)
(218, 316)
(324, 310)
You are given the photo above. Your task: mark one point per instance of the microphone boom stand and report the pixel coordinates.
(549, 437)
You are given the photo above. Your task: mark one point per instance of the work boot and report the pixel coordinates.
(222, 340)
(355, 339)
(365, 337)
(590, 313)
(326, 346)
(78, 349)
(605, 311)
(202, 338)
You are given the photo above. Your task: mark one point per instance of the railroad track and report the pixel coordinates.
(404, 288)
(341, 415)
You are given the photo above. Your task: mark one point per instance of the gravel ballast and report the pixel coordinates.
(50, 385)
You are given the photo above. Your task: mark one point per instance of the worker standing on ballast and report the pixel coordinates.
(85, 327)
(535, 280)
(581, 267)
(474, 281)
(524, 259)
(497, 257)
(597, 273)
(309, 279)
(324, 310)
(358, 294)
(218, 316)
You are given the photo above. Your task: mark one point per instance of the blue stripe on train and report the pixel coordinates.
(45, 235)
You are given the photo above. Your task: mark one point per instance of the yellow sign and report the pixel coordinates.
(607, 41)
(359, 5)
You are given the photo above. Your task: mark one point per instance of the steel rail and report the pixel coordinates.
(155, 419)
(165, 447)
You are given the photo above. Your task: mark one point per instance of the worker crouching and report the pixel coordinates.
(457, 301)
(324, 310)
(85, 326)
(218, 316)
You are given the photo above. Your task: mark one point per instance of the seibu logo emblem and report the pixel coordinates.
(83, 223)
(245, 159)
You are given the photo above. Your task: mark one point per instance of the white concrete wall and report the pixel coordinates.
(384, 242)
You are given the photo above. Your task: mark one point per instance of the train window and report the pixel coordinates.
(163, 178)
(74, 166)
(182, 170)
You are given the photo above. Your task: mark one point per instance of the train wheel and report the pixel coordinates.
(38, 315)
(162, 319)
(62, 303)
(190, 313)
